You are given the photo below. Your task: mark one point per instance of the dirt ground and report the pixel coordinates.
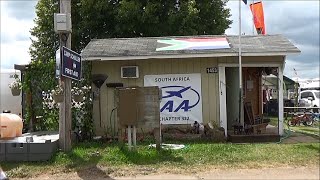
(265, 173)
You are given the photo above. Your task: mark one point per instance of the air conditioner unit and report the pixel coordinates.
(129, 72)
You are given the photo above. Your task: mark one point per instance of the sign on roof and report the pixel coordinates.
(192, 44)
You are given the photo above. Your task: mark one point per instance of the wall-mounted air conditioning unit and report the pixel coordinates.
(129, 72)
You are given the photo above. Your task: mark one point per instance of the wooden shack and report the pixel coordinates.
(199, 77)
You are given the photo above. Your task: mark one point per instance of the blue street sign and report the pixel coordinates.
(71, 64)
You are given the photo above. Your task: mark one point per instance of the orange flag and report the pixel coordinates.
(258, 15)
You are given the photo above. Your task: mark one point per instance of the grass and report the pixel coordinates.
(196, 155)
(313, 130)
(273, 121)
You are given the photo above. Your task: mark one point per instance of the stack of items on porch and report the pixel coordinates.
(253, 124)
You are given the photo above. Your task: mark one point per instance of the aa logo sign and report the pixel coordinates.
(181, 97)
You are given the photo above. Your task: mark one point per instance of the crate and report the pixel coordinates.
(42, 151)
(16, 151)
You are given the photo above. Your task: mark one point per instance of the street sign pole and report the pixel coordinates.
(65, 106)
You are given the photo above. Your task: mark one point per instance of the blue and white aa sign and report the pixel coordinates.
(181, 97)
(71, 64)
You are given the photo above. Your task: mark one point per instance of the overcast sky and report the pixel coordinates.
(296, 20)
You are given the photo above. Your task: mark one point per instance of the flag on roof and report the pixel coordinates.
(192, 44)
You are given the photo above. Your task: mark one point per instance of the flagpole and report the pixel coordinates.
(240, 68)
(252, 17)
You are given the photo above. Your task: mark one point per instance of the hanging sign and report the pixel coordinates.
(71, 64)
(181, 97)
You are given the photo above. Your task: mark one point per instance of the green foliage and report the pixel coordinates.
(82, 115)
(39, 78)
(39, 81)
(46, 42)
(127, 18)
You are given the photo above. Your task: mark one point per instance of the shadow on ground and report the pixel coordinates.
(84, 164)
(149, 156)
(87, 167)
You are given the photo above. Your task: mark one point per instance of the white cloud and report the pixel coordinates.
(303, 70)
(14, 53)
(296, 20)
(15, 35)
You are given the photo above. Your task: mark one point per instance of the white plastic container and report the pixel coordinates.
(10, 125)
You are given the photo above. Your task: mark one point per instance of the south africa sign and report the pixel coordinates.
(181, 97)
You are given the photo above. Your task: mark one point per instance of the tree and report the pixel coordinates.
(45, 41)
(135, 18)
(127, 18)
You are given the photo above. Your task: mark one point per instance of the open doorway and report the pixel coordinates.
(253, 118)
(232, 91)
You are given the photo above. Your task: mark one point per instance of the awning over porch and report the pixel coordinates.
(146, 48)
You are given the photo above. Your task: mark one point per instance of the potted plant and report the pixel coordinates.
(15, 86)
(77, 94)
(57, 94)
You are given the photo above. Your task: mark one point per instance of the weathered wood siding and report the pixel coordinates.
(209, 83)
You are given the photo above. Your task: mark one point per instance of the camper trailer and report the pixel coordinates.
(8, 102)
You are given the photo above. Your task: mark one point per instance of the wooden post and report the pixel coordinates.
(65, 106)
(134, 137)
(129, 138)
(280, 99)
(156, 132)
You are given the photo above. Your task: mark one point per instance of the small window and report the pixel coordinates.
(129, 72)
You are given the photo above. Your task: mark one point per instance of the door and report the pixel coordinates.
(232, 91)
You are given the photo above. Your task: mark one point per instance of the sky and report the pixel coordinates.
(296, 20)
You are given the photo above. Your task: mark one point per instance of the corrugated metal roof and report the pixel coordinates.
(103, 49)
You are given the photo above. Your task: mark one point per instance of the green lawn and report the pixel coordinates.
(309, 130)
(313, 130)
(195, 155)
(273, 121)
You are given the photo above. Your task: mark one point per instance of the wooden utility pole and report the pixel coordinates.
(65, 116)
